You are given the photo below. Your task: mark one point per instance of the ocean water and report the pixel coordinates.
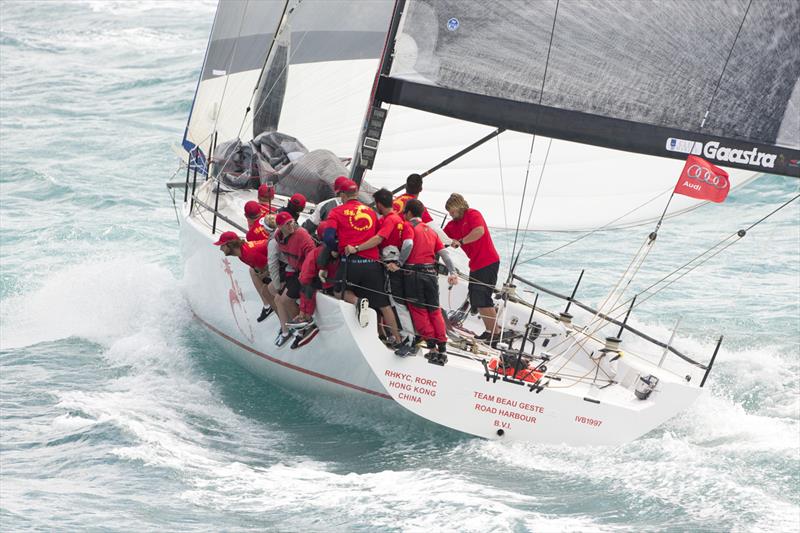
(118, 413)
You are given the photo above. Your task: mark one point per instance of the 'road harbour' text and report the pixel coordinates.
(413, 388)
(500, 406)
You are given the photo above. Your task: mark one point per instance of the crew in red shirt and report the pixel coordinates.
(421, 284)
(395, 239)
(254, 255)
(266, 193)
(318, 272)
(469, 231)
(413, 188)
(253, 213)
(294, 244)
(354, 223)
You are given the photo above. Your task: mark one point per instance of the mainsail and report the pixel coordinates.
(718, 79)
(311, 81)
(604, 85)
(660, 78)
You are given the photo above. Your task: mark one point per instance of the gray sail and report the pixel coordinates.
(718, 77)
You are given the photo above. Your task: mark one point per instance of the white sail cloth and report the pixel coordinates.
(582, 187)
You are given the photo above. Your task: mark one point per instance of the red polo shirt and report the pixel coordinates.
(400, 202)
(482, 252)
(355, 223)
(254, 254)
(257, 232)
(311, 269)
(426, 244)
(394, 231)
(267, 209)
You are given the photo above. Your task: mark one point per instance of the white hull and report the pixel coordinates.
(345, 359)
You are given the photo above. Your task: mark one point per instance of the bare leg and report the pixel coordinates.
(388, 319)
(283, 314)
(350, 297)
(262, 289)
(289, 306)
(489, 316)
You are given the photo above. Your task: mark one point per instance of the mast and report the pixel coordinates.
(367, 146)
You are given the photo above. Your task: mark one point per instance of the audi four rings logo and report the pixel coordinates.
(703, 174)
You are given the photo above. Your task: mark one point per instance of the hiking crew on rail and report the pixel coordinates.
(287, 265)
(360, 275)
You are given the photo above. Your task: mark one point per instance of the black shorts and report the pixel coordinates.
(481, 286)
(365, 278)
(396, 286)
(293, 287)
(421, 286)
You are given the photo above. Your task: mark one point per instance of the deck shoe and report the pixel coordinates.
(406, 350)
(436, 358)
(304, 335)
(485, 336)
(361, 312)
(282, 337)
(298, 322)
(265, 312)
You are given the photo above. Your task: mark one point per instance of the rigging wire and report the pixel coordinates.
(227, 70)
(502, 192)
(699, 260)
(533, 137)
(535, 196)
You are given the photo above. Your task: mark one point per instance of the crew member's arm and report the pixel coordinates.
(442, 254)
(273, 262)
(372, 242)
(475, 234)
(405, 251)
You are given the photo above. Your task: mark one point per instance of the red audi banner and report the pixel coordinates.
(702, 180)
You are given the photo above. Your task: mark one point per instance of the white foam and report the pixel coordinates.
(99, 300)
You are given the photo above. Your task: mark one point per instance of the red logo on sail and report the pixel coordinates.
(702, 180)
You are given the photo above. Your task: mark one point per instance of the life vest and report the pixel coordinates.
(523, 374)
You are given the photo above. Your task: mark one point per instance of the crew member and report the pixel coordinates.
(266, 193)
(294, 206)
(254, 255)
(422, 284)
(317, 273)
(354, 223)
(323, 208)
(294, 244)
(395, 239)
(253, 213)
(468, 230)
(413, 188)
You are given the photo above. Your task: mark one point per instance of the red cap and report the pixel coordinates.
(337, 183)
(344, 185)
(283, 217)
(266, 191)
(252, 209)
(298, 201)
(227, 236)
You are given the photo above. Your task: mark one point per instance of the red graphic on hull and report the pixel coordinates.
(236, 299)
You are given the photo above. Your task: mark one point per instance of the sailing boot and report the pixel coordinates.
(441, 347)
(432, 354)
(408, 348)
